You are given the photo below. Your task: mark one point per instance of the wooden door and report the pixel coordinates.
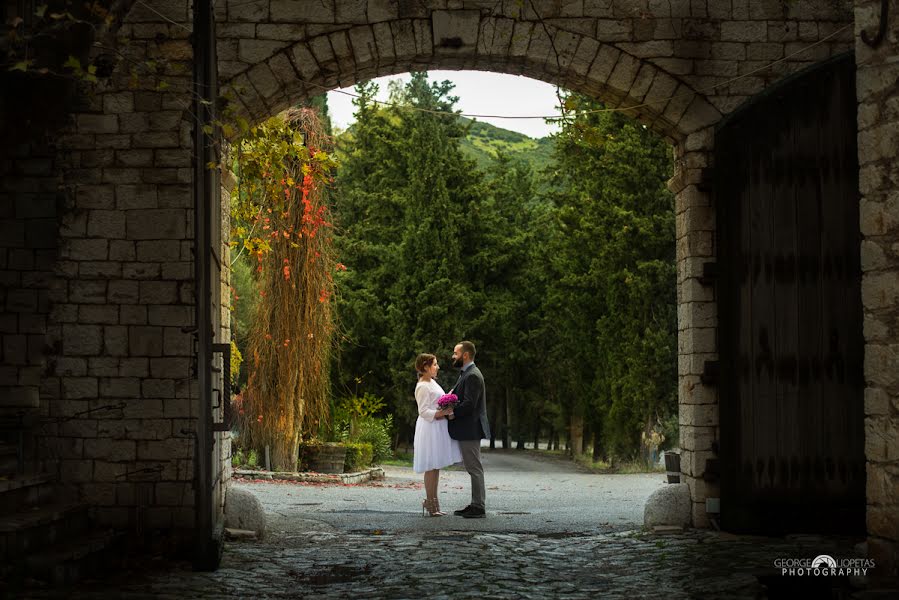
(790, 316)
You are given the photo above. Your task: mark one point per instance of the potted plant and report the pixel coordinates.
(323, 457)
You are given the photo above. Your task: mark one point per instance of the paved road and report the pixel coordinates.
(552, 532)
(524, 494)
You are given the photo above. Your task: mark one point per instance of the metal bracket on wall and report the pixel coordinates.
(882, 29)
(224, 394)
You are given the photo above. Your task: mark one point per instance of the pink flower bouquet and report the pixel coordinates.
(447, 401)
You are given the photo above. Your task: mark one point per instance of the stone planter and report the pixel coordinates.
(326, 458)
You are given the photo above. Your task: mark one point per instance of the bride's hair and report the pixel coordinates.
(423, 362)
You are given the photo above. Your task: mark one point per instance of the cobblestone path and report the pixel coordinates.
(691, 564)
(551, 532)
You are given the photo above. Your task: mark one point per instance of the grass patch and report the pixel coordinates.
(400, 459)
(628, 467)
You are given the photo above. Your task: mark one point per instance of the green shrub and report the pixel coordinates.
(358, 456)
(377, 432)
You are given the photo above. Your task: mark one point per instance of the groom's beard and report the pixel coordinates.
(457, 363)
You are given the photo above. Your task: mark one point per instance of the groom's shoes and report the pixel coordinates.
(462, 511)
(473, 512)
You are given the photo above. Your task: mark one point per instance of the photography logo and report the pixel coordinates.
(824, 565)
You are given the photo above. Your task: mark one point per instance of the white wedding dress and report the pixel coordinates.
(434, 448)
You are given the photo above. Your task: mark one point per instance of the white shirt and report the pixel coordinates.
(426, 395)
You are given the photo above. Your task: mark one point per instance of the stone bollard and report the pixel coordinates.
(244, 511)
(669, 505)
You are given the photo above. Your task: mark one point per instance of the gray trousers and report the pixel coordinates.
(471, 458)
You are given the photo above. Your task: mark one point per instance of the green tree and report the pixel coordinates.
(611, 315)
(406, 214)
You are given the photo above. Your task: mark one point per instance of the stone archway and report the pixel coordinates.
(285, 71)
(655, 64)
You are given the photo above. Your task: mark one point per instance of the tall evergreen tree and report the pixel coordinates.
(612, 314)
(405, 212)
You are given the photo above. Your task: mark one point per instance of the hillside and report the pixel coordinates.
(485, 140)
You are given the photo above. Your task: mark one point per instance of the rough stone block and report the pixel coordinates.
(455, 31)
(80, 428)
(158, 292)
(133, 315)
(145, 341)
(110, 450)
(178, 315)
(101, 314)
(614, 30)
(103, 366)
(290, 11)
(134, 367)
(141, 270)
(403, 39)
(365, 49)
(159, 251)
(175, 196)
(77, 388)
(698, 415)
(158, 388)
(97, 123)
(120, 387)
(177, 271)
(86, 249)
(880, 290)
(697, 438)
(95, 196)
(744, 31)
(72, 367)
(87, 292)
(108, 224)
(156, 224)
(170, 368)
(123, 292)
(181, 407)
(157, 139)
(115, 340)
(163, 449)
(177, 343)
(304, 61)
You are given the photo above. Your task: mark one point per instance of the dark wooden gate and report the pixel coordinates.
(790, 316)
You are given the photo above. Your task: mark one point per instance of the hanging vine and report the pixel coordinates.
(282, 222)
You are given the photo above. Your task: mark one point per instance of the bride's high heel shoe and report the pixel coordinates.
(432, 507)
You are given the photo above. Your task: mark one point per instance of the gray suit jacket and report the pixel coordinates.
(470, 422)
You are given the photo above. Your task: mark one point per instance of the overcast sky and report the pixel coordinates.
(480, 93)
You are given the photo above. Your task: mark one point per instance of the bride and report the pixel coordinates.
(434, 449)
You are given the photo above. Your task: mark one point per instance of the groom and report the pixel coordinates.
(469, 425)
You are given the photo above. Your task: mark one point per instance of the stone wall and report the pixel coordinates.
(123, 399)
(877, 87)
(697, 317)
(29, 203)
